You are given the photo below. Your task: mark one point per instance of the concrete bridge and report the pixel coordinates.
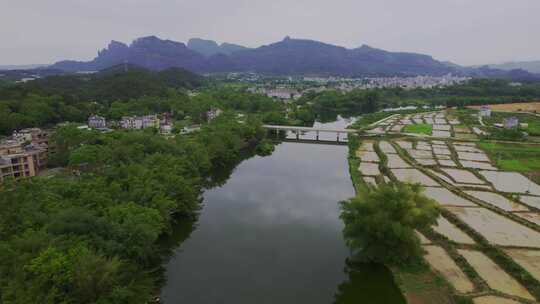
(317, 131)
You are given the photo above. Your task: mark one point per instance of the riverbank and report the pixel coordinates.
(273, 229)
(485, 243)
(419, 284)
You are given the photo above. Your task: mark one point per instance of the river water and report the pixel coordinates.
(272, 234)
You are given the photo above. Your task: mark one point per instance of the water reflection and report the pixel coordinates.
(272, 234)
(367, 283)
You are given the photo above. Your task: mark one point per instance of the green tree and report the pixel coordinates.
(380, 224)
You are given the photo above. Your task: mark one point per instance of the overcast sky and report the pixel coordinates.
(463, 31)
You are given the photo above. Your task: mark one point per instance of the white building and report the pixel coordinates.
(97, 122)
(485, 111)
(139, 122)
(510, 122)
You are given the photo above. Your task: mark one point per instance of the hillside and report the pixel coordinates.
(210, 48)
(286, 57)
(289, 56)
(119, 82)
(530, 66)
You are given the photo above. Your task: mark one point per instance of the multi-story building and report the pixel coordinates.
(97, 122)
(19, 159)
(33, 135)
(139, 122)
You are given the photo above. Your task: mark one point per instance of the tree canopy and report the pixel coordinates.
(380, 224)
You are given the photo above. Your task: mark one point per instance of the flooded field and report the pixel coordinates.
(452, 232)
(494, 276)
(533, 201)
(442, 263)
(413, 176)
(387, 148)
(441, 151)
(463, 176)
(497, 229)
(441, 133)
(368, 156)
(477, 165)
(511, 182)
(497, 200)
(447, 163)
(472, 156)
(471, 149)
(426, 161)
(420, 153)
(371, 169)
(446, 198)
(470, 178)
(395, 161)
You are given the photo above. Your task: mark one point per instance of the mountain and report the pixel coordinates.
(209, 47)
(286, 57)
(21, 67)
(530, 66)
(148, 52)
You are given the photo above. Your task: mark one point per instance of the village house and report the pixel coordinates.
(97, 122)
(510, 122)
(213, 114)
(139, 122)
(485, 111)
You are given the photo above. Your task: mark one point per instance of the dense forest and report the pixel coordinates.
(91, 237)
(92, 232)
(116, 92)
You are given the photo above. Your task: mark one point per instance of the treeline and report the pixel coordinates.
(73, 98)
(474, 92)
(116, 93)
(92, 237)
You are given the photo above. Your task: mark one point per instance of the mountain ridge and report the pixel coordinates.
(286, 57)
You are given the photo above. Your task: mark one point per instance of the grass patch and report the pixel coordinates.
(514, 157)
(419, 129)
(532, 120)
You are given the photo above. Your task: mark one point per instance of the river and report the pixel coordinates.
(272, 234)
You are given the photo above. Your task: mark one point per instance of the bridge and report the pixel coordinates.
(299, 130)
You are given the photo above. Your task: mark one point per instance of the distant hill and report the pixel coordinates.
(209, 47)
(148, 52)
(21, 67)
(530, 66)
(286, 57)
(119, 82)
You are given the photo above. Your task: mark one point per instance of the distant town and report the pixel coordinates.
(295, 87)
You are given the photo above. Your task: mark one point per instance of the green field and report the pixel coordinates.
(534, 121)
(515, 157)
(419, 129)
